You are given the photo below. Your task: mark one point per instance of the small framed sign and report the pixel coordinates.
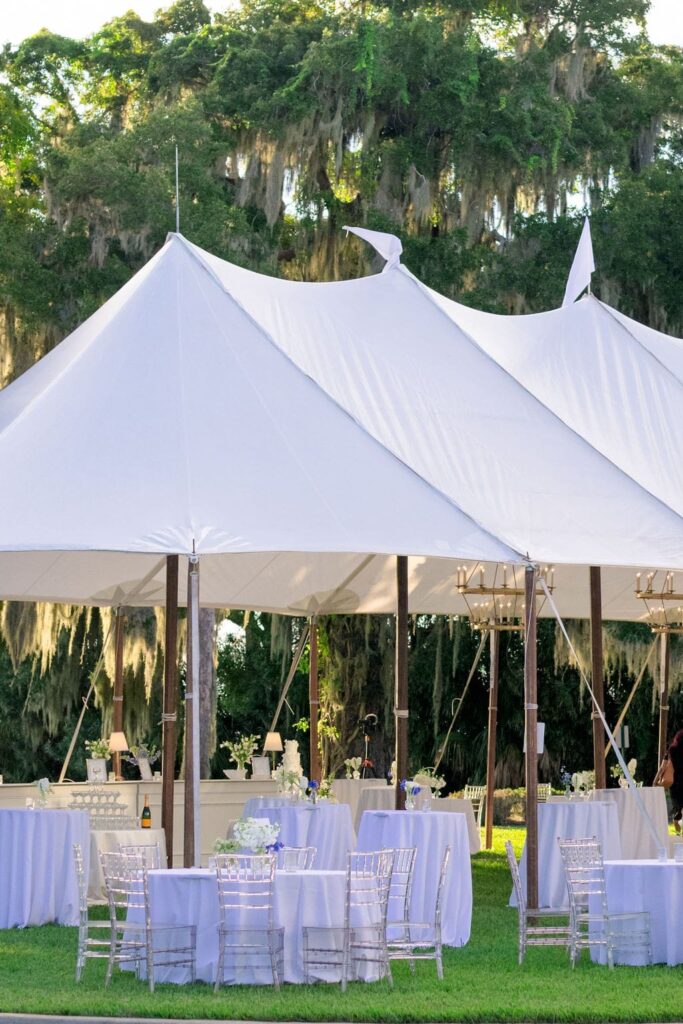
(96, 768)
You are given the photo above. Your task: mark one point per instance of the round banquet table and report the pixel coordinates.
(37, 871)
(568, 819)
(430, 832)
(326, 826)
(653, 886)
(637, 842)
(385, 800)
(300, 899)
(109, 841)
(350, 791)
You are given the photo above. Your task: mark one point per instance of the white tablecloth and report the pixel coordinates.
(385, 799)
(301, 898)
(37, 870)
(637, 842)
(349, 791)
(326, 826)
(430, 832)
(569, 819)
(108, 841)
(657, 888)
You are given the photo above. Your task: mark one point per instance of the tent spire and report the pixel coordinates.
(583, 266)
(177, 193)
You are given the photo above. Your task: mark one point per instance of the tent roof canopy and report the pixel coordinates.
(295, 436)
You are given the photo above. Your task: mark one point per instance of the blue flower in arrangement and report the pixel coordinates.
(312, 784)
(274, 847)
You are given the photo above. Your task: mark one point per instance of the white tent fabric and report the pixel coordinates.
(582, 268)
(389, 352)
(169, 423)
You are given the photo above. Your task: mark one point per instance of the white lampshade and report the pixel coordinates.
(118, 743)
(273, 742)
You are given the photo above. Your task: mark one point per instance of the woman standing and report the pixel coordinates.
(675, 758)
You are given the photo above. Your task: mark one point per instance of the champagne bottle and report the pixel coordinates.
(146, 816)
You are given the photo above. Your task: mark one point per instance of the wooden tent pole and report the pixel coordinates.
(190, 852)
(117, 716)
(597, 674)
(530, 722)
(170, 712)
(491, 736)
(313, 702)
(664, 665)
(401, 680)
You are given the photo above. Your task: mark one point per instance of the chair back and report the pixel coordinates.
(443, 878)
(245, 885)
(477, 796)
(516, 878)
(584, 872)
(368, 877)
(125, 879)
(81, 880)
(401, 882)
(543, 792)
(150, 853)
(296, 858)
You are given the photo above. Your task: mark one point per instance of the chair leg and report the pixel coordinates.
(221, 961)
(273, 963)
(149, 959)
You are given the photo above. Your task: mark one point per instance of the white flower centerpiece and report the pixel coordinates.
(583, 783)
(430, 784)
(259, 835)
(352, 767)
(617, 773)
(241, 750)
(44, 789)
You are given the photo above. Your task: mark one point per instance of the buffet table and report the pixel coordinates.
(324, 825)
(37, 870)
(430, 832)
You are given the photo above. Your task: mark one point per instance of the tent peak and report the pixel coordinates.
(387, 245)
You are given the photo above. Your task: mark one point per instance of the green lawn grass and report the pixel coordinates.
(483, 981)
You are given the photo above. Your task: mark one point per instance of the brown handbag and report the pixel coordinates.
(665, 774)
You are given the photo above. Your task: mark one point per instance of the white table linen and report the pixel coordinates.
(109, 841)
(37, 870)
(349, 791)
(326, 826)
(655, 887)
(385, 800)
(430, 832)
(569, 819)
(637, 842)
(300, 899)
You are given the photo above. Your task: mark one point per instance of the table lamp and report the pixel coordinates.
(273, 745)
(117, 745)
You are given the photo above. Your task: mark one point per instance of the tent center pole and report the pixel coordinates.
(315, 768)
(530, 723)
(117, 714)
(170, 712)
(664, 665)
(192, 846)
(597, 674)
(401, 680)
(491, 735)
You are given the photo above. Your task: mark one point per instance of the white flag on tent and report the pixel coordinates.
(583, 266)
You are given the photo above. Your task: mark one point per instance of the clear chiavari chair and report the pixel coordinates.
(133, 935)
(590, 922)
(363, 939)
(543, 792)
(400, 893)
(477, 795)
(555, 929)
(150, 853)
(94, 936)
(247, 934)
(296, 858)
(423, 938)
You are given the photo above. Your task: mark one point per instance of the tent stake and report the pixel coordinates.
(664, 664)
(170, 713)
(598, 676)
(401, 681)
(314, 702)
(491, 736)
(530, 722)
